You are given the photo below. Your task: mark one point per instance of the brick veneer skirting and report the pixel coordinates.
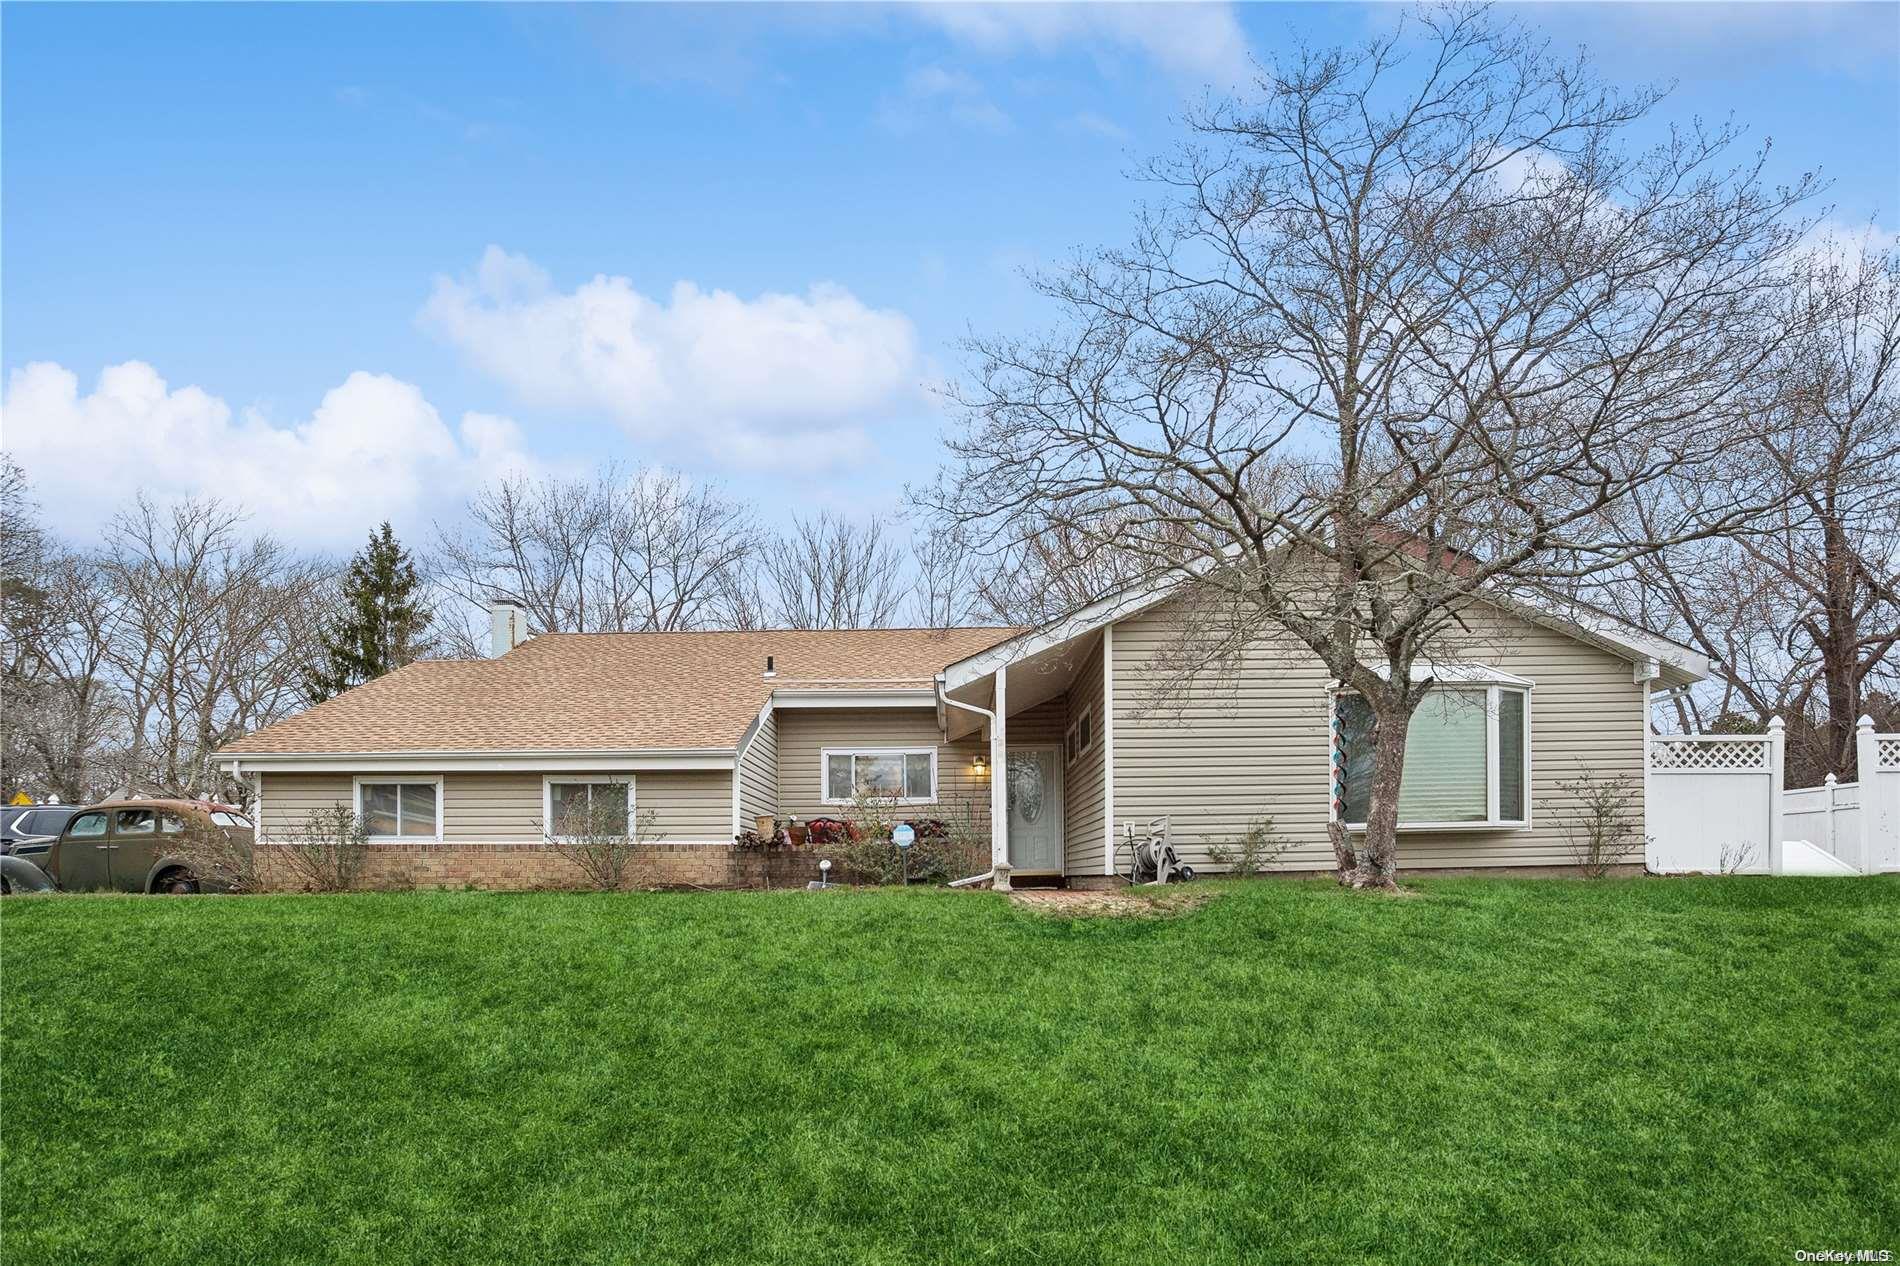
(524, 867)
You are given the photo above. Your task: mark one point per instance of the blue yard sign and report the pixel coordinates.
(902, 835)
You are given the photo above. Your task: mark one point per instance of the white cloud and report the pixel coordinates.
(1514, 171)
(374, 448)
(1835, 241)
(765, 381)
(1199, 42)
(932, 90)
(1099, 125)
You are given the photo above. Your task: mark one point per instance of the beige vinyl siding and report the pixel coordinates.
(758, 773)
(692, 806)
(803, 733)
(494, 808)
(1082, 781)
(288, 798)
(1040, 726)
(1255, 742)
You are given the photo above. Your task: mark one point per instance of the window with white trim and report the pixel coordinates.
(1079, 737)
(886, 773)
(400, 809)
(576, 804)
(1467, 759)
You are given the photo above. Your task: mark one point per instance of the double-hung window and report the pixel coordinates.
(882, 773)
(400, 808)
(579, 806)
(1467, 758)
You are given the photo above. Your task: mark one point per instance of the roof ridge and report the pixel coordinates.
(905, 628)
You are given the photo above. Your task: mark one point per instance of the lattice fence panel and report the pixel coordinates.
(1701, 754)
(1889, 753)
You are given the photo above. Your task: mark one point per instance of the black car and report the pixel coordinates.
(30, 830)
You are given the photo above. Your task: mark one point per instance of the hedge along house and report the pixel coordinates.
(458, 765)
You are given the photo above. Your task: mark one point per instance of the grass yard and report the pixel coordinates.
(1645, 1070)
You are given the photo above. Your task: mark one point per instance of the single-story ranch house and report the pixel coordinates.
(459, 765)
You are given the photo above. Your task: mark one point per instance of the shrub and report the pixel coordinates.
(1605, 820)
(1254, 853)
(944, 848)
(327, 849)
(599, 837)
(220, 860)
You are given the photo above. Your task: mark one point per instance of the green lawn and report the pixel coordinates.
(1683, 1071)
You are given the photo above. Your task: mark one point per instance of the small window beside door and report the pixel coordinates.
(1079, 738)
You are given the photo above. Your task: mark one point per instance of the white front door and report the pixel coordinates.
(1035, 808)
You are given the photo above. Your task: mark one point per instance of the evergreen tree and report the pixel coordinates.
(382, 626)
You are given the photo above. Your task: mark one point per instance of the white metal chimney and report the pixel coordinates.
(507, 628)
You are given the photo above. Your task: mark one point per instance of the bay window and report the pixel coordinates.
(1467, 757)
(883, 773)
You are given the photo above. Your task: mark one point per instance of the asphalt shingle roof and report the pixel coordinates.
(609, 691)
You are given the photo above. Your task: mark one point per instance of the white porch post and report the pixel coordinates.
(1107, 724)
(999, 776)
(1777, 749)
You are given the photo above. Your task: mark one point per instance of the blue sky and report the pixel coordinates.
(342, 262)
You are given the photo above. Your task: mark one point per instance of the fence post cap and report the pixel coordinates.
(1830, 780)
(1776, 723)
(1866, 723)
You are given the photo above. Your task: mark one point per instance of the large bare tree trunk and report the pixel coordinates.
(1345, 857)
(1378, 859)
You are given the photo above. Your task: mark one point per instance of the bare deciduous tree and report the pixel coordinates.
(945, 591)
(1799, 611)
(207, 638)
(828, 572)
(1406, 332)
(647, 551)
(1054, 569)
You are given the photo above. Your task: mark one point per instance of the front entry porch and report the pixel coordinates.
(1048, 755)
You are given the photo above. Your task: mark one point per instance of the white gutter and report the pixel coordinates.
(943, 699)
(866, 697)
(479, 762)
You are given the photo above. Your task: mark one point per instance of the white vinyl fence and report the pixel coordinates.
(1716, 804)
